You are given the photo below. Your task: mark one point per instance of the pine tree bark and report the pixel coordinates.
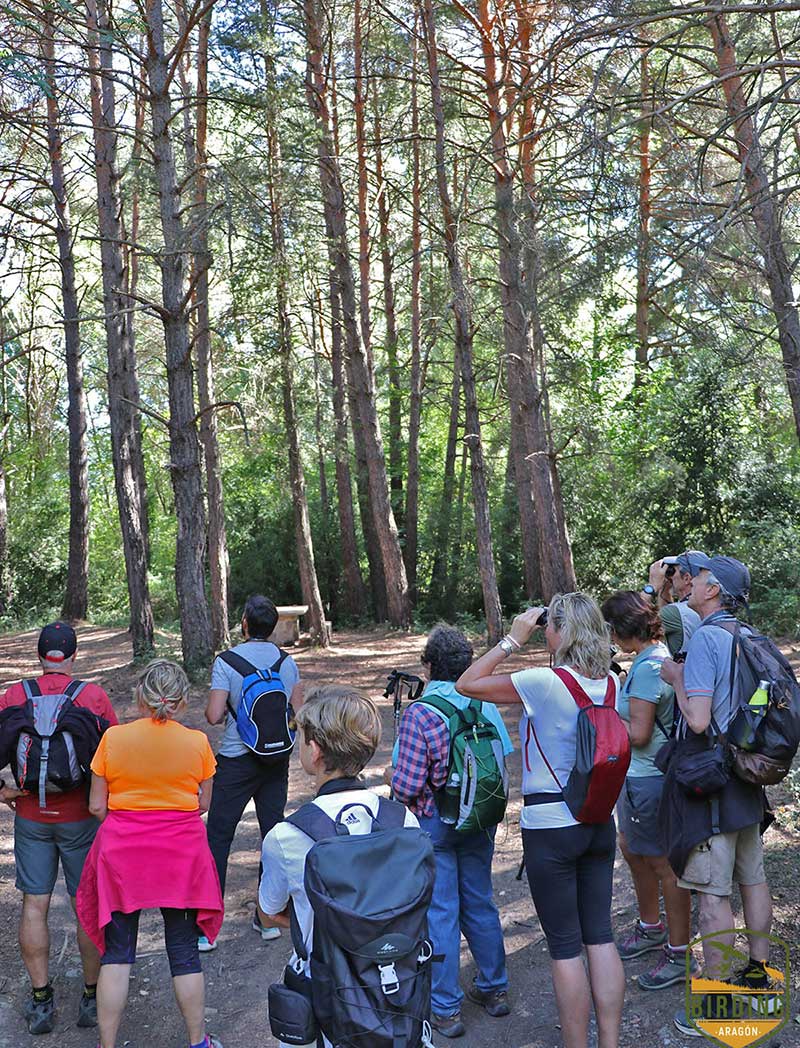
(463, 326)
(76, 598)
(218, 562)
(123, 387)
(353, 593)
(763, 209)
(309, 583)
(411, 548)
(366, 426)
(196, 639)
(643, 237)
(438, 583)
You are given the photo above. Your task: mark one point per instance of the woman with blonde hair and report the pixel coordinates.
(151, 781)
(570, 865)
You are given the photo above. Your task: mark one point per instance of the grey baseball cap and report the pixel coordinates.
(688, 561)
(732, 575)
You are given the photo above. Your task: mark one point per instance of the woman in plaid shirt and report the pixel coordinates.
(462, 893)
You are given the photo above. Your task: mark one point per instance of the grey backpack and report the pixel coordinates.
(370, 956)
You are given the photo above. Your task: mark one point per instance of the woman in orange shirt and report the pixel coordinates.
(151, 782)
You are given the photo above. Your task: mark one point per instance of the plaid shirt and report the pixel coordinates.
(424, 743)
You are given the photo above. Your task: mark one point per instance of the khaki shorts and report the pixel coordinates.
(715, 864)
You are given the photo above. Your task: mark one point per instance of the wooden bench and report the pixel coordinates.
(287, 632)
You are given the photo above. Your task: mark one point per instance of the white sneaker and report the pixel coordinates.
(266, 933)
(204, 946)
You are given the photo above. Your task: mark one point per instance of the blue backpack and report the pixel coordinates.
(265, 718)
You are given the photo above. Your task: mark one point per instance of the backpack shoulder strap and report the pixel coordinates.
(236, 662)
(311, 820)
(31, 689)
(576, 691)
(74, 688)
(282, 657)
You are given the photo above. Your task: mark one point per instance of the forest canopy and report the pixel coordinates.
(404, 311)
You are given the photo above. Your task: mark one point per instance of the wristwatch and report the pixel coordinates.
(506, 646)
(649, 590)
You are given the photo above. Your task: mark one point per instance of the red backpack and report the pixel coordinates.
(602, 754)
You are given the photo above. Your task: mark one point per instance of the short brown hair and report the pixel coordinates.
(632, 617)
(344, 724)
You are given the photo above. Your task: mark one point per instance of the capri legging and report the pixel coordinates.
(180, 935)
(570, 872)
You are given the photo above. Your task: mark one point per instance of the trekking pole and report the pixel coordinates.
(395, 684)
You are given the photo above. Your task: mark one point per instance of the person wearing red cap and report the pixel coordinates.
(62, 830)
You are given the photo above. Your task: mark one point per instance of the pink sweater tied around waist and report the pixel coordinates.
(141, 860)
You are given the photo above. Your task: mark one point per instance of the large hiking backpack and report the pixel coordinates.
(265, 716)
(49, 741)
(475, 792)
(762, 746)
(602, 755)
(370, 956)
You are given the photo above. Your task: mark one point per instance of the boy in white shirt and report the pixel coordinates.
(338, 733)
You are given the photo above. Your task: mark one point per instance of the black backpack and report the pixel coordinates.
(370, 957)
(762, 745)
(48, 741)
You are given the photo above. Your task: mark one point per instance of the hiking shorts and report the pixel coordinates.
(637, 814)
(38, 846)
(715, 864)
(571, 871)
(180, 937)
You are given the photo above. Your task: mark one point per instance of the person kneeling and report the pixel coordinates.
(351, 875)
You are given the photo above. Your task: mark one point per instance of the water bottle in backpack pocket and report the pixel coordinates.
(265, 717)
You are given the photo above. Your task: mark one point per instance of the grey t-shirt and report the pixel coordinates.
(261, 654)
(708, 667)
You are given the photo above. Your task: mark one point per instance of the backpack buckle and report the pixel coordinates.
(389, 982)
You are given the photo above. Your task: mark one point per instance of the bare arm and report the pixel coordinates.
(697, 709)
(479, 681)
(642, 722)
(216, 706)
(274, 920)
(206, 786)
(98, 797)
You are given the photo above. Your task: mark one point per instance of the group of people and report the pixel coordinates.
(137, 841)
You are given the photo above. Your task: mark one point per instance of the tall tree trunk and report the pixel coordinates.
(218, 563)
(309, 583)
(331, 563)
(441, 550)
(5, 419)
(196, 639)
(763, 208)
(411, 549)
(392, 339)
(76, 598)
(353, 594)
(123, 385)
(463, 325)
(454, 572)
(643, 238)
(366, 426)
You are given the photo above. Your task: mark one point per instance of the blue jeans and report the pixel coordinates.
(462, 902)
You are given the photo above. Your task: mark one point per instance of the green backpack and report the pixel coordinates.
(475, 792)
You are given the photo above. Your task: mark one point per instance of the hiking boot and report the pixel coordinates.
(448, 1025)
(642, 940)
(671, 969)
(715, 1006)
(495, 1002)
(41, 1015)
(753, 977)
(87, 1010)
(266, 933)
(213, 1042)
(204, 946)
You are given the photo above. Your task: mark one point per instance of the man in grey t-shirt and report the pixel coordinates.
(241, 775)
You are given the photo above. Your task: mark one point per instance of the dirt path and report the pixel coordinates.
(239, 972)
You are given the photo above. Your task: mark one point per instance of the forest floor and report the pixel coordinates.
(240, 970)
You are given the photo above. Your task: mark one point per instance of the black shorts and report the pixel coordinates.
(180, 936)
(570, 871)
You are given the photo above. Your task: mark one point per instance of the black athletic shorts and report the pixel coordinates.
(180, 936)
(570, 871)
